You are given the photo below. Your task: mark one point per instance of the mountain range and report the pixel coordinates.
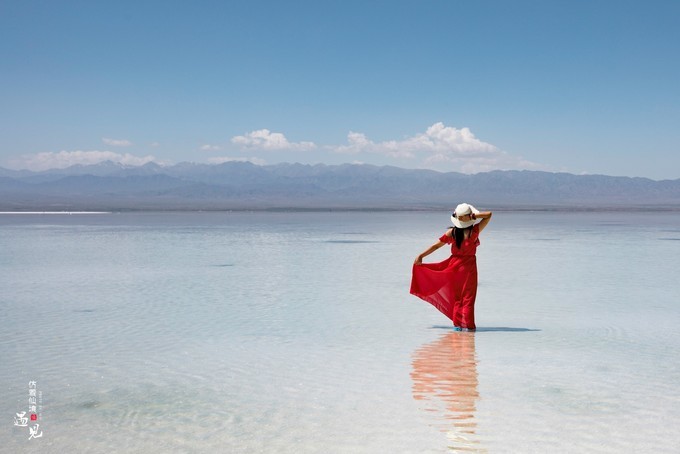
(111, 186)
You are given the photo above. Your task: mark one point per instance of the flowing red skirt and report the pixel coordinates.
(450, 286)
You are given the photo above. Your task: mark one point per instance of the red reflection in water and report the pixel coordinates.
(445, 379)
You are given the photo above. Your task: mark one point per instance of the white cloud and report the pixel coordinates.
(116, 142)
(264, 139)
(63, 159)
(440, 147)
(437, 139)
(358, 142)
(209, 147)
(223, 159)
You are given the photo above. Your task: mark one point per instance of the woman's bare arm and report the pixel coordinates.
(485, 216)
(431, 249)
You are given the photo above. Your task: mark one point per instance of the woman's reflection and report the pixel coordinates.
(445, 380)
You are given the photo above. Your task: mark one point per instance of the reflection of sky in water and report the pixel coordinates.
(295, 332)
(445, 383)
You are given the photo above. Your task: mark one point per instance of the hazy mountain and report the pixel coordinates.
(242, 185)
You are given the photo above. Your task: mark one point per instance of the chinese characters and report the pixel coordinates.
(34, 406)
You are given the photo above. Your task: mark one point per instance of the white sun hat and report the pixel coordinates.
(462, 210)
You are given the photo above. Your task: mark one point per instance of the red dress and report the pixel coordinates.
(451, 285)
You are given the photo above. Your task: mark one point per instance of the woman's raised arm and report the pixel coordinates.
(485, 216)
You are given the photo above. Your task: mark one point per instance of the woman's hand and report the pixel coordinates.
(418, 261)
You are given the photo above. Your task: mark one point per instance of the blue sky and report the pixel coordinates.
(456, 85)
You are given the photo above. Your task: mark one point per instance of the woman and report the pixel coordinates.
(451, 285)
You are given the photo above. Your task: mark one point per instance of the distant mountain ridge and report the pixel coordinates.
(242, 185)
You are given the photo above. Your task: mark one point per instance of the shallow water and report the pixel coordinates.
(295, 332)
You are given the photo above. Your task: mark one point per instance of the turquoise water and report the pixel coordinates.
(295, 332)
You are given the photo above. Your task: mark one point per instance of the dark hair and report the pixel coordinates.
(459, 235)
